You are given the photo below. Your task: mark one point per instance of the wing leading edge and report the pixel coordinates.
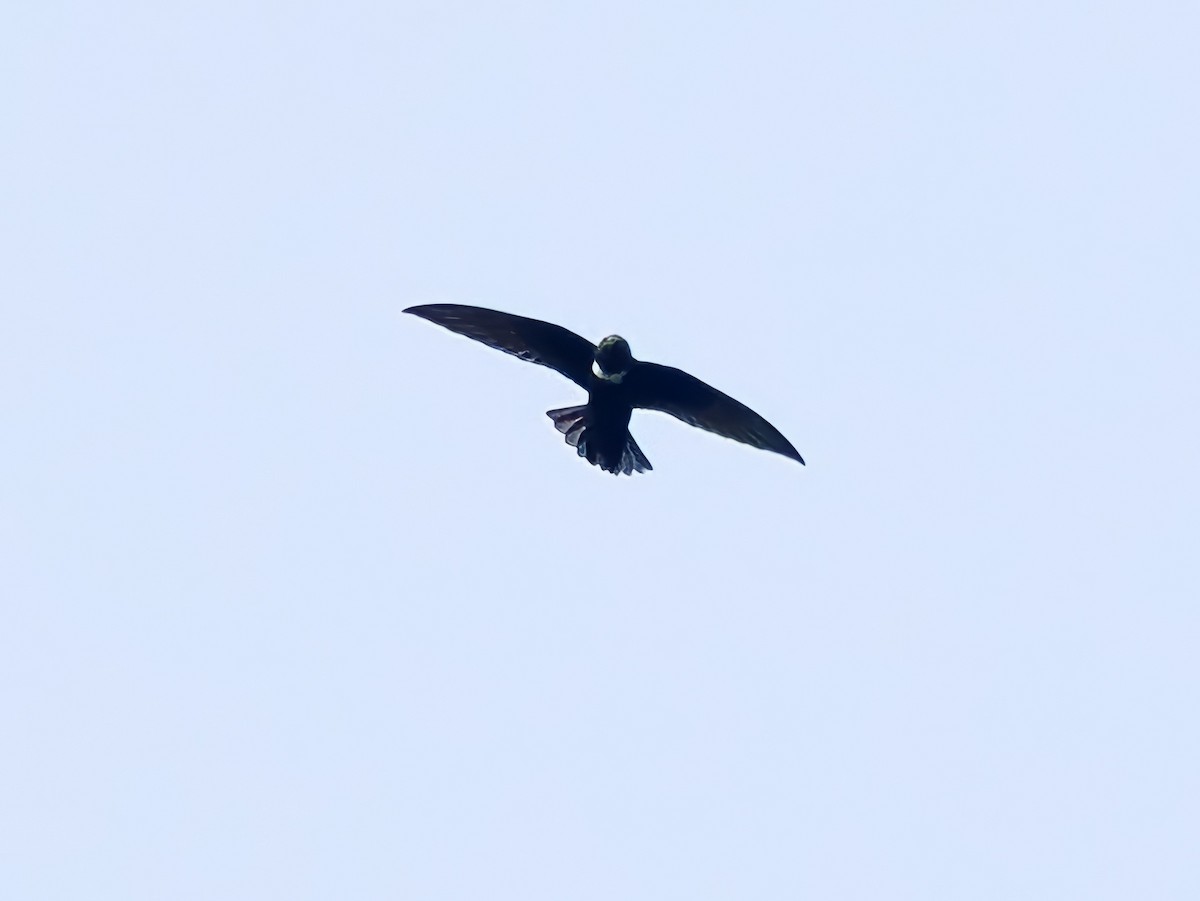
(528, 339)
(670, 390)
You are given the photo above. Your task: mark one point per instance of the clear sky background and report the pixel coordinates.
(304, 598)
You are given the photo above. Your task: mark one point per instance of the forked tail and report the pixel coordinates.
(573, 423)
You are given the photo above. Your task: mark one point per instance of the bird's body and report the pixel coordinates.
(616, 384)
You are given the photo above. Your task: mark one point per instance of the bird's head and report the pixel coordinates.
(613, 358)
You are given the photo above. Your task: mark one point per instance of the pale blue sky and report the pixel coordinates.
(304, 598)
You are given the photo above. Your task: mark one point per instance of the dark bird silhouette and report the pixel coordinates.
(616, 383)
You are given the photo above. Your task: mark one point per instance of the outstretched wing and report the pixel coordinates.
(530, 339)
(654, 387)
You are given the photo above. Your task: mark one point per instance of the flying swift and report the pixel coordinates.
(616, 384)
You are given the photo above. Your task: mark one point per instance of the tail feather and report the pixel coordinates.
(632, 458)
(573, 423)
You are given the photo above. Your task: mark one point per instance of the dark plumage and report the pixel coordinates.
(616, 383)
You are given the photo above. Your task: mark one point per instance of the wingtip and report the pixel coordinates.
(422, 311)
(792, 454)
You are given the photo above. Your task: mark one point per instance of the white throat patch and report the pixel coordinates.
(599, 373)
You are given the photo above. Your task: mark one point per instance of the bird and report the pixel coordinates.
(616, 384)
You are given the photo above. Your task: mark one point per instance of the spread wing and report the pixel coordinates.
(530, 339)
(654, 387)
